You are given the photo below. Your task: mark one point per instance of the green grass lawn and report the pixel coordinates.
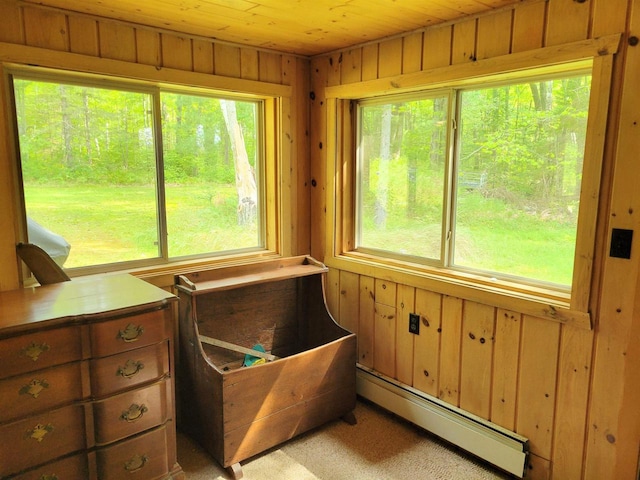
(490, 235)
(106, 224)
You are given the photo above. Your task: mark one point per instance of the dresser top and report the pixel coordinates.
(96, 296)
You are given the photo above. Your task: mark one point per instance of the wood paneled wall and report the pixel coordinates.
(573, 392)
(187, 58)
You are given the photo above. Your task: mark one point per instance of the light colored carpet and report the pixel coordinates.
(380, 447)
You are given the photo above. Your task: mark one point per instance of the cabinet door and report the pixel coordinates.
(129, 332)
(142, 457)
(129, 369)
(34, 392)
(132, 412)
(70, 468)
(40, 350)
(41, 438)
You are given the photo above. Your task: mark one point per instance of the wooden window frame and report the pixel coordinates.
(570, 307)
(276, 99)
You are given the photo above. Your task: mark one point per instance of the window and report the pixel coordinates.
(478, 179)
(134, 174)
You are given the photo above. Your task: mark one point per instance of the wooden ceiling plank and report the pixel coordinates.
(287, 26)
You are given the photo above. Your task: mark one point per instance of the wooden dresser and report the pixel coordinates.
(86, 387)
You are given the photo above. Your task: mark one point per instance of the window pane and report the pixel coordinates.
(88, 167)
(401, 165)
(210, 156)
(519, 173)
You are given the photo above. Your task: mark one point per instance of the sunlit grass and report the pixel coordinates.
(109, 224)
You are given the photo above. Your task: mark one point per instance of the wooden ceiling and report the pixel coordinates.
(304, 27)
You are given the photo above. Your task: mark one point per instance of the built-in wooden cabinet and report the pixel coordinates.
(86, 390)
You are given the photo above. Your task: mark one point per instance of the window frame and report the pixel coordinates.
(565, 307)
(450, 199)
(272, 99)
(446, 192)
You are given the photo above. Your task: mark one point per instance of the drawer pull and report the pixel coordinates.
(130, 369)
(131, 333)
(34, 350)
(53, 476)
(39, 431)
(136, 463)
(34, 388)
(134, 413)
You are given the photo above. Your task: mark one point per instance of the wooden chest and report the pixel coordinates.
(85, 390)
(237, 411)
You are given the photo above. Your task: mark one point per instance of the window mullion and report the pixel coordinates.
(448, 221)
(160, 184)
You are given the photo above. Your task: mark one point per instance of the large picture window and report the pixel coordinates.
(114, 173)
(484, 179)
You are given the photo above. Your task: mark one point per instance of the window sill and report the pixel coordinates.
(163, 275)
(539, 302)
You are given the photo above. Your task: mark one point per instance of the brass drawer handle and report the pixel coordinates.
(39, 431)
(136, 463)
(34, 388)
(134, 413)
(130, 369)
(53, 476)
(131, 333)
(34, 350)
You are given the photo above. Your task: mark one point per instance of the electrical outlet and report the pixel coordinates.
(414, 323)
(621, 243)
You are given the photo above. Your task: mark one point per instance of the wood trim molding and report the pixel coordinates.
(566, 309)
(521, 302)
(41, 57)
(459, 74)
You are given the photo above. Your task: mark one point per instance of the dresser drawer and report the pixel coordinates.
(41, 438)
(24, 395)
(126, 370)
(132, 412)
(127, 333)
(40, 350)
(71, 468)
(142, 457)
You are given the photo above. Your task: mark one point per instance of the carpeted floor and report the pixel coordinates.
(379, 447)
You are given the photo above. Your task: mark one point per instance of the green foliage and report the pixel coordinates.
(90, 135)
(88, 160)
(526, 141)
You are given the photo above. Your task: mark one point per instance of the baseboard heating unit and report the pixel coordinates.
(492, 443)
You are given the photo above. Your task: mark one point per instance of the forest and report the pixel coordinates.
(92, 170)
(503, 183)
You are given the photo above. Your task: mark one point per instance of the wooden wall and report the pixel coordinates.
(573, 392)
(180, 58)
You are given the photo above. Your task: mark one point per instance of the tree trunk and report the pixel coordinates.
(380, 213)
(66, 126)
(245, 179)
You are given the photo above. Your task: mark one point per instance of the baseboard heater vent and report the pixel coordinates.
(494, 444)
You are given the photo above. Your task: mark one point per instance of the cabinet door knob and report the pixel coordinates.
(34, 388)
(135, 463)
(134, 413)
(131, 333)
(34, 350)
(130, 369)
(39, 432)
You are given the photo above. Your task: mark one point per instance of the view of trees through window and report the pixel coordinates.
(90, 167)
(515, 153)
